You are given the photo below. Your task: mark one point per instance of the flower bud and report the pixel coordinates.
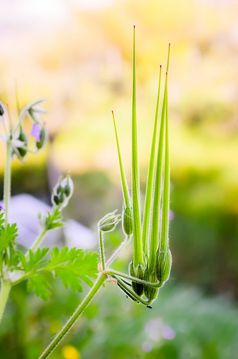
(39, 134)
(42, 138)
(22, 137)
(109, 222)
(1, 110)
(62, 192)
(127, 222)
(163, 265)
(19, 144)
(138, 273)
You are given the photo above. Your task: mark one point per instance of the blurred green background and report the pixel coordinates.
(77, 54)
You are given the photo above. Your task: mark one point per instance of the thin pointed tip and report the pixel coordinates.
(160, 66)
(134, 26)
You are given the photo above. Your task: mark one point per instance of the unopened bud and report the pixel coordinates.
(19, 144)
(1, 110)
(42, 138)
(163, 265)
(109, 222)
(22, 137)
(62, 192)
(127, 222)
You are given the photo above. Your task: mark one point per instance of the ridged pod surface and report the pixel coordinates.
(163, 265)
(138, 273)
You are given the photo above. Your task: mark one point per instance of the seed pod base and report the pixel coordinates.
(139, 273)
(127, 221)
(163, 265)
(150, 292)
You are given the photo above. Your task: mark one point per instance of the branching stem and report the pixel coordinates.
(73, 319)
(4, 294)
(7, 179)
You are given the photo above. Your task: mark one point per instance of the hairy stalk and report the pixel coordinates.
(69, 324)
(150, 178)
(4, 294)
(36, 244)
(7, 179)
(72, 320)
(5, 285)
(138, 249)
(118, 250)
(101, 250)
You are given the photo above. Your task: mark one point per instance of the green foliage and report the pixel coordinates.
(182, 324)
(8, 234)
(53, 219)
(70, 265)
(40, 284)
(35, 260)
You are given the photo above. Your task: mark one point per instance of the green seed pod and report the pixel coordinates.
(41, 142)
(163, 265)
(150, 292)
(109, 222)
(127, 223)
(138, 273)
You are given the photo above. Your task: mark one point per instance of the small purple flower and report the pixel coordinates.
(35, 131)
(171, 215)
(1, 208)
(168, 333)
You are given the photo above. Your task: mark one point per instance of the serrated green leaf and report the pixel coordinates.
(40, 284)
(7, 235)
(72, 266)
(35, 259)
(53, 219)
(69, 279)
(16, 258)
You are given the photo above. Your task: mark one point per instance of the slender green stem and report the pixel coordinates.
(134, 279)
(36, 244)
(4, 294)
(7, 178)
(150, 178)
(138, 257)
(118, 250)
(101, 249)
(72, 320)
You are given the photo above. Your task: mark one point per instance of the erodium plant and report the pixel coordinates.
(151, 261)
(37, 266)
